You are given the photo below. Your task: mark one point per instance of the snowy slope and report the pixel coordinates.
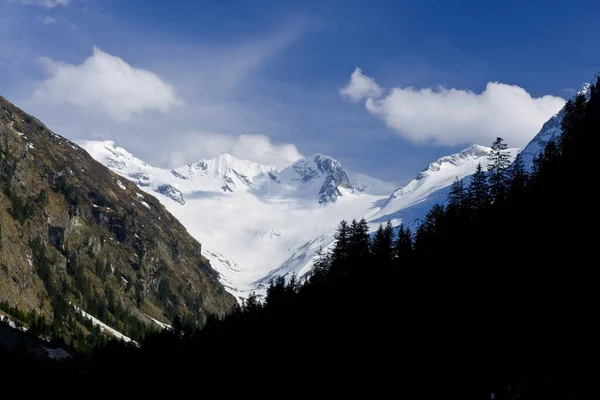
(223, 173)
(256, 222)
(407, 205)
(551, 130)
(364, 183)
(437, 176)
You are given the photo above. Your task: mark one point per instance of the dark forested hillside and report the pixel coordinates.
(493, 297)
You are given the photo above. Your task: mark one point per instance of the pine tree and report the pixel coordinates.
(276, 289)
(378, 239)
(551, 152)
(381, 246)
(456, 196)
(359, 241)
(321, 266)
(389, 234)
(428, 231)
(478, 191)
(518, 175)
(251, 303)
(572, 123)
(342, 237)
(432, 219)
(403, 246)
(499, 161)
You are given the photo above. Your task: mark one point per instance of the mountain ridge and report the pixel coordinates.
(73, 230)
(551, 130)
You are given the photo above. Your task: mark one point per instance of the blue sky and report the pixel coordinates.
(176, 81)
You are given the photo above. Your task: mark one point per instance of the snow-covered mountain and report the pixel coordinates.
(407, 205)
(317, 176)
(430, 186)
(551, 130)
(249, 217)
(256, 222)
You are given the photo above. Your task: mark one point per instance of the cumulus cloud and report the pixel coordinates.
(198, 145)
(360, 86)
(108, 84)
(42, 3)
(451, 117)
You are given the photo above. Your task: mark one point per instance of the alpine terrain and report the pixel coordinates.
(83, 249)
(257, 222)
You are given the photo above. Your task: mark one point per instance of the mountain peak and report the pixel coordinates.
(321, 170)
(224, 173)
(318, 159)
(111, 155)
(464, 156)
(320, 156)
(475, 149)
(227, 158)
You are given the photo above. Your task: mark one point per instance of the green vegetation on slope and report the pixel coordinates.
(74, 233)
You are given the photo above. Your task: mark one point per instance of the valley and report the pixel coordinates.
(257, 222)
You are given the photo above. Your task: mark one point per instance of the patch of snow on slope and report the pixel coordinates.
(12, 323)
(161, 324)
(103, 326)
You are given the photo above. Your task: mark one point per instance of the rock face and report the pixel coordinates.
(66, 219)
(317, 176)
(334, 176)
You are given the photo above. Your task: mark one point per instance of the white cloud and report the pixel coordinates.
(451, 117)
(47, 20)
(360, 86)
(195, 146)
(106, 83)
(43, 3)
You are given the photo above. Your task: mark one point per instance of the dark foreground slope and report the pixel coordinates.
(72, 231)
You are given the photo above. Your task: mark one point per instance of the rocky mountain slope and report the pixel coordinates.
(73, 231)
